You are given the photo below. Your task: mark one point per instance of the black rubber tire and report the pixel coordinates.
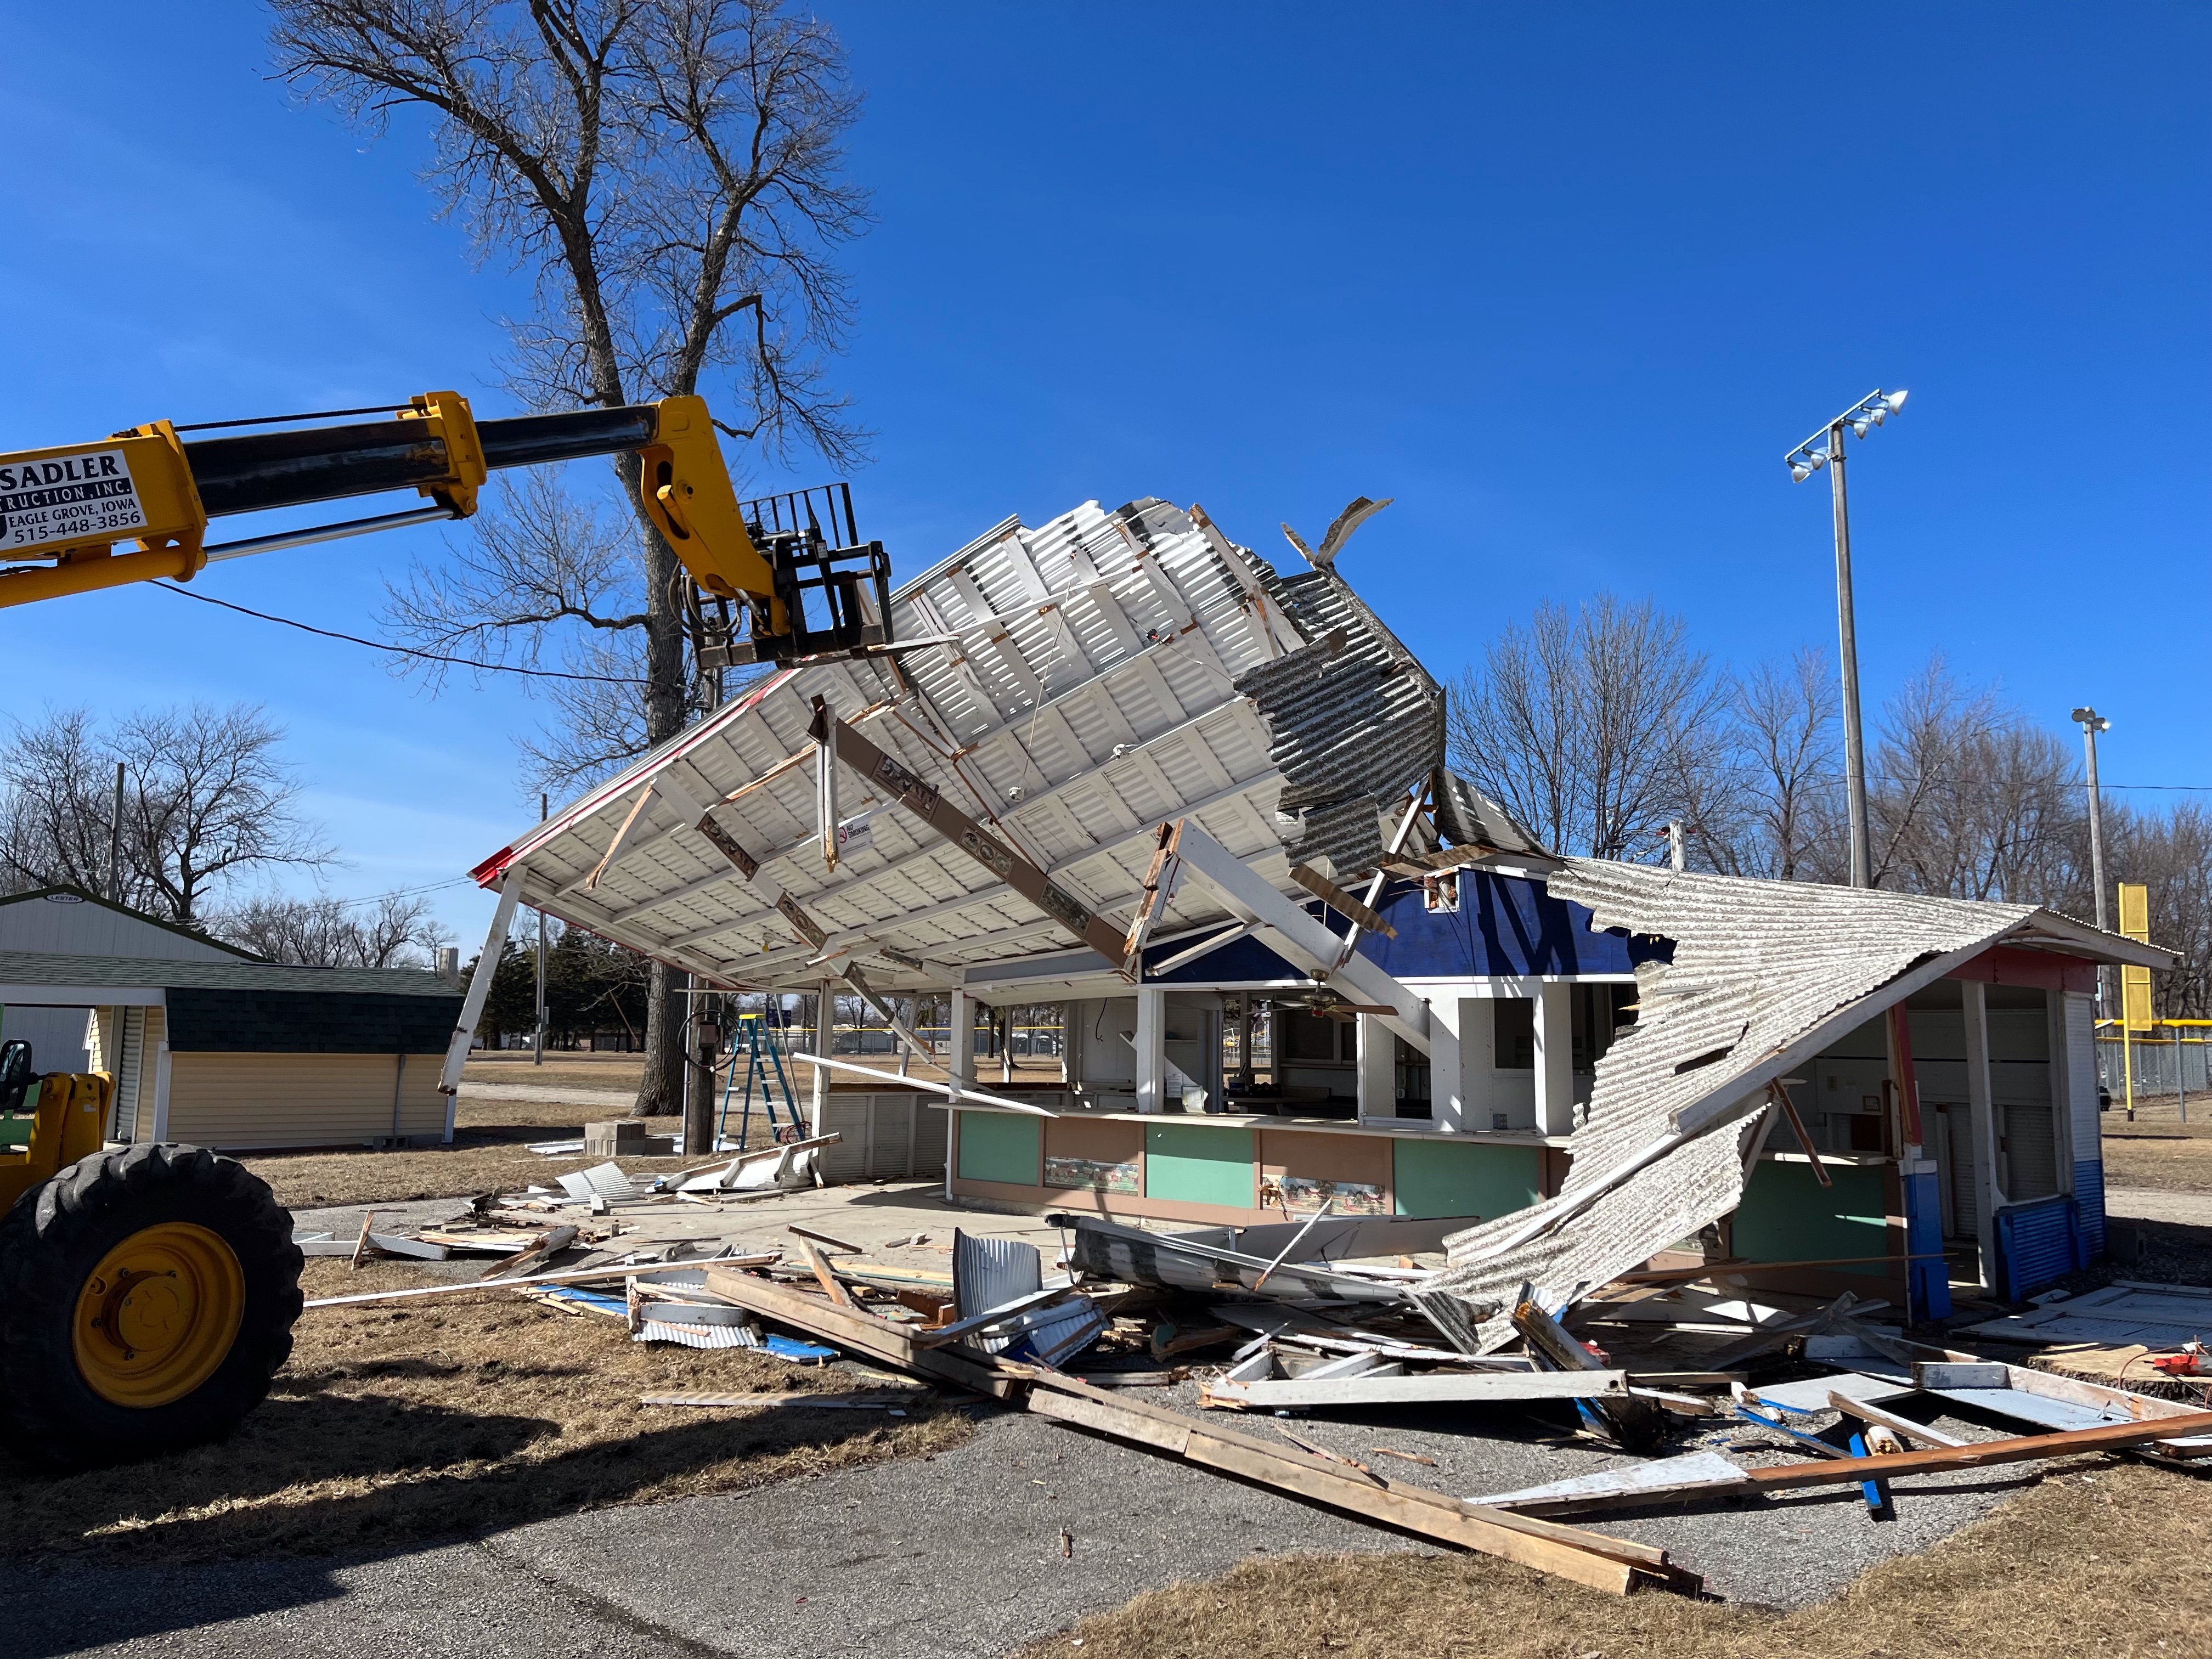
(56, 1233)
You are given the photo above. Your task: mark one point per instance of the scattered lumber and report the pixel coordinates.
(519, 1264)
(836, 1292)
(1637, 1424)
(1673, 1478)
(360, 1249)
(877, 1339)
(1609, 1564)
(2114, 1437)
(828, 1239)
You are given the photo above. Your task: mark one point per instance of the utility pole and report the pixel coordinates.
(538, 1038)
(1847, 634)
(2092, 723)
(115, 842)
(1826, 448)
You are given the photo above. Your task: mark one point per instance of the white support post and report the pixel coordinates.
(1378, 1068)
(1476, 1074)
(1982, 1113)
(1448, 1102)
(1555, 1057)
(825, 1037)
(161, 1092)
(960, 1062)
(1152, 1049)
(472, 1005)
(2063, 1105)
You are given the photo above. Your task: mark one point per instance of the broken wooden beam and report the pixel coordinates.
(863, 1332)
(1341, 902)
(1637, 1425)
(1609, 1564)
(2116, 1436)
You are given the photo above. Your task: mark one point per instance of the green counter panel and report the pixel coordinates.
(1787, 1216)
(1005, 1146)
(1193, 1163)
(1462, 1177)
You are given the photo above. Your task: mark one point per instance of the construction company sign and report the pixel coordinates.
(75, 498)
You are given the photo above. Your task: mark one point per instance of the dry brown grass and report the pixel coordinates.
(2166, 1155)
(2119, 1564)
(398, 1422)
(490, 1151)
(559, 1071)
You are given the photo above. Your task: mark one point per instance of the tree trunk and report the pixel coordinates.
(661, 1093)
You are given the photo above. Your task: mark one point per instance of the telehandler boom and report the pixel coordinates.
(158, 489)
(148, 1293)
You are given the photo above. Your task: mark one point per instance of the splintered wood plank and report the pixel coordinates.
(1975, 1455)
(1604, 1563)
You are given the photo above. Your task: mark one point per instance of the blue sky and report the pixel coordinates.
(1566, 280)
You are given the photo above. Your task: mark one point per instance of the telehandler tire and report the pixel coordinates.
(147, 1297)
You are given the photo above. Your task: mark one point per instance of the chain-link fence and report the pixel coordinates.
(2163, 1065)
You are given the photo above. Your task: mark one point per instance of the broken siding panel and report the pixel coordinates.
(248, 1100)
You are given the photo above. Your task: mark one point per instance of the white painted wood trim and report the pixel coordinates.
(1152, 1049)
(1982, 1116)
(1555, 1058)
(161, 1088)
(472, 1005)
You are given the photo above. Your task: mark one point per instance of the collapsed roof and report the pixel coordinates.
(1110, 672)
(1764, 975)
(1100, 675)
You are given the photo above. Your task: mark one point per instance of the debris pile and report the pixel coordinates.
(1701, 1387)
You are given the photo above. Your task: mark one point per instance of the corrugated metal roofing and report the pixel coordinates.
(1764, 974)
(1088, 698)
(1092, 693)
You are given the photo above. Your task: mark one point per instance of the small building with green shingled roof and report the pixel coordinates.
(242, 1054)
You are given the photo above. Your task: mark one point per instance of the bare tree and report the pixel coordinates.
(2171, 854)
(207, 799)
(1969, 800)
(546, 577)
(670, 173)
(1780, 802)
(1592, 727)
(58, 772)
(393, 931)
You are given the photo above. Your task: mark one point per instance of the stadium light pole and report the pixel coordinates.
(2092, 723)
(1826, 448)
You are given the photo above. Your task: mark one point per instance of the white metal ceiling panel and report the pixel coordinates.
(1087, 698)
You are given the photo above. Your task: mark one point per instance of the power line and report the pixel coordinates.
(403, 650)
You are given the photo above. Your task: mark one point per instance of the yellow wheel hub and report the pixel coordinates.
(158, 1315)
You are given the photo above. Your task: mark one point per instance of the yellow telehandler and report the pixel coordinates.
(148, 1293)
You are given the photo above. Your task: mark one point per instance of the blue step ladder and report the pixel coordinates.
(756, 1039)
